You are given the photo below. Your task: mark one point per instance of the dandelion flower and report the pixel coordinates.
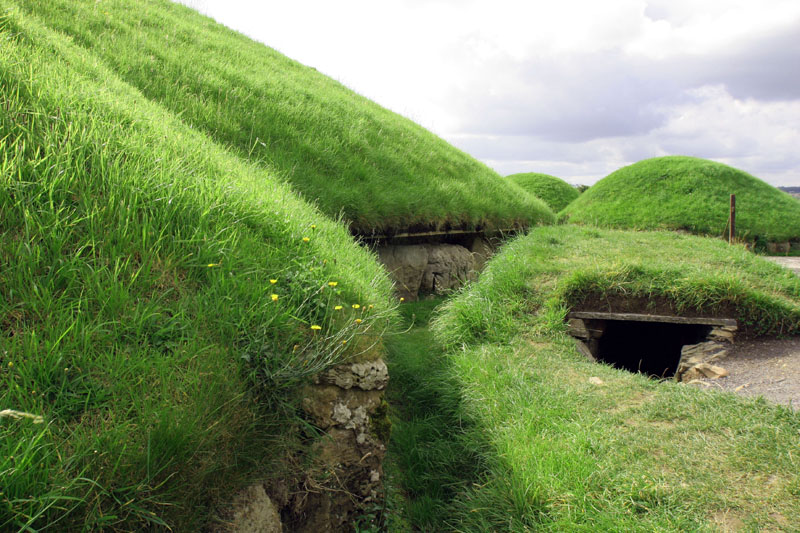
(313, 226)
(402, 299)
(344, 342)
(333, 283)
(306, 239)
(211, 265)
(273, 281)
(338, 308)
(371, 306)
(316, 327)
(358, 321)
(274, 297)
(356, 306)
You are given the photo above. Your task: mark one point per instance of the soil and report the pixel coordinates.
(764, 367)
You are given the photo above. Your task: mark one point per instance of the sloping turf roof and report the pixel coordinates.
(380, 171)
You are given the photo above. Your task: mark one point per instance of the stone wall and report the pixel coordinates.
(433, 268)
(344, 475)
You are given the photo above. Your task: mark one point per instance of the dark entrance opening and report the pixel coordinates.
(652, 348)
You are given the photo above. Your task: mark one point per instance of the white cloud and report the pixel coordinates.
(575, 88)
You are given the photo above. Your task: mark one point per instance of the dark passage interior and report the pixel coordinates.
(652, 348)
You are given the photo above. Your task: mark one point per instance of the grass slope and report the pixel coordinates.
(555, 192)
(158, 298)
(691, 194)
(344, 152)
(626, 453)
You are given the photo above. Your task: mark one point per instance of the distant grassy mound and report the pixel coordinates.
(351, 157)
(555, 192)
(570, 445)
(686, 193)
(161, 301)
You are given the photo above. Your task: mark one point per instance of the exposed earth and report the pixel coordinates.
(764, 367)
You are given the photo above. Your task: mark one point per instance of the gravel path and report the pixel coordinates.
(769, 367)
(792, 263)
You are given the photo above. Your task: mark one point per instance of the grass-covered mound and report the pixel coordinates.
(381, 171)
(161, 299)
(555, 192)
(619, 451)
(687, 193)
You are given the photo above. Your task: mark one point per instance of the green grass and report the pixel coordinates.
(555, 192)
(137, 314)
(562, 453)
(690, 194)
(351, 157)
(433, 454)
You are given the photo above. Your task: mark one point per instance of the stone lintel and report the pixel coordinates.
(637, 317)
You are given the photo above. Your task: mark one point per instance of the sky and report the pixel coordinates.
(572, 88)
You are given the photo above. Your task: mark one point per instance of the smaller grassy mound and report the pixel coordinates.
(691, 194)
(571, 445)
(555, 192)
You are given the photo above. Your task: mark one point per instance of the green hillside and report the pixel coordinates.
(558, 443)
(555, 192)
(160, 301)
(691, 194)
(351, 157)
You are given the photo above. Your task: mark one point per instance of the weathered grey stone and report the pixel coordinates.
(779, 247)
(253, 512)
(449, 267)
(371, 375)
(406, 264)
(481, 250)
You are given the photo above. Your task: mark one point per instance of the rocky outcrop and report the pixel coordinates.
(433, 268)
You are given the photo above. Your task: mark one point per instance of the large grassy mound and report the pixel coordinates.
(570, 445)
(555, 192)
(689, 194)
(161, 300)
(379, 170)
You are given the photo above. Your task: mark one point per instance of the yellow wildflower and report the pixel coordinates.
(274, 297)
(211, 265)
(358, 321)
(11, 364)
(356, 306)
(338, 308)
(313, 226)
(402, 299)
(273, 281)
(316, 327)
(344, 342)
(306, 239)
(371, 306)
(333, 283)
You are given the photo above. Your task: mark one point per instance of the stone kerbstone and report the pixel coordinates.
(406, 265)
(449, 267)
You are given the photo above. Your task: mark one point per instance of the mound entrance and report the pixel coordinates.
(660, 346)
